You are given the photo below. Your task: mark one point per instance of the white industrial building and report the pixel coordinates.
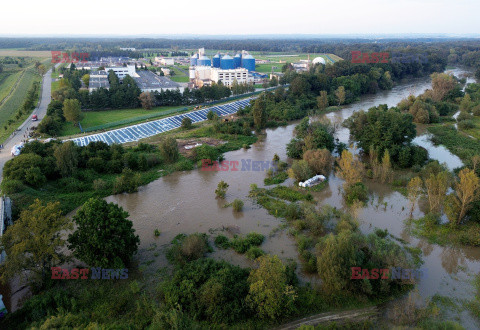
(165, 60)
(122, 71)
(206, 75)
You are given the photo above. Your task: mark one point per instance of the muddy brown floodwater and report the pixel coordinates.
(184, 202)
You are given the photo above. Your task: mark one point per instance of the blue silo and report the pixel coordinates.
(193, 60)
(237, 61)
(216, 61)
(248, 62)
(226, 63)
(204, 61)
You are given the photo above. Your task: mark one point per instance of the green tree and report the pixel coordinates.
(104, 237)
(350, 169)
(269, 293)
(436, 187)
(300, 171)
(169, 149)
(466, 192)
(259, 113)
(72, 111)
(86, 79)
(34, 242)
(415, 190)
(186, 123)
(322, 101)
(340, 94)
(66, 157)
(128, 182)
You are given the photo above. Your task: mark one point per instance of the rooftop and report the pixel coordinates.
(149, 80)
(98, 82)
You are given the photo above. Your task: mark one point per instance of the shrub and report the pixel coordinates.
(356, 192)
(186, 123)
(466, 124)
(222, 242)
(12, 186)
(187, 248)
(169, 149)
(157, 232)
(300, 171)
(237, 205)
(99, 184)
(127, 182)
(221, 189)
(242, 245)
(254, 252)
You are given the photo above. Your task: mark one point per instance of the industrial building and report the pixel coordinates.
(206, 75)
(165, 60)
(225, 69)
(122, 71)
(148, 81)
(225, 62)
(98, 79)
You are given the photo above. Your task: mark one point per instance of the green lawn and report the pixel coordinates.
(181, 79)
(7, 81)
(96, 118)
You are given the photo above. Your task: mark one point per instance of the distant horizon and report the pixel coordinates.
(245, 18)
(257, 36)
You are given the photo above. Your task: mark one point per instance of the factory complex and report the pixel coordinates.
(224, 68)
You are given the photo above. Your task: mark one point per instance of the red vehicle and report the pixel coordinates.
(34, 118)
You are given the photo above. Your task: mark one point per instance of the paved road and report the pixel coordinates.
(41, 111)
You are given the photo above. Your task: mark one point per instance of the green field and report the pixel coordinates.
(179, 76)
(14, 102)
(96, 118)
(7, 81)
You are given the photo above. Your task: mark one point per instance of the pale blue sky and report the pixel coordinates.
(239, 17)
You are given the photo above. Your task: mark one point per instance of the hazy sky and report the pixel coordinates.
(239, 17)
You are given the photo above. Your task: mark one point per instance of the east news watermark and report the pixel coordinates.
(95, 273)
(386, 57)
(63, 57)
(244, 165)
(394, 273)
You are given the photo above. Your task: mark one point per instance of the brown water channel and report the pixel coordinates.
(184, 202)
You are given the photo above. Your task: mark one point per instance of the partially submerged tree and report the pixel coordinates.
(104, 236)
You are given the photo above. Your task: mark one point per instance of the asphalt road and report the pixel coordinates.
(41, 111)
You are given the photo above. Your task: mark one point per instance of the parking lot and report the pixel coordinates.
(144, 130)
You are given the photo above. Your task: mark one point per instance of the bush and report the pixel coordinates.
(186, 123)
(300, 171)
(187, 248)
(99, 184)
(157, 232)
(466, 124)
(127, 182)
(221, 189)
(254, 252)
(242, 245)
(222, 242)
(169, 149)
(237, 205)
(12, 186)
(356, 192)
(206, 152)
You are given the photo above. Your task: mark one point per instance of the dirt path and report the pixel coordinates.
(355, 315)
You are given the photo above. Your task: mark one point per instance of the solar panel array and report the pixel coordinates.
(144, 130)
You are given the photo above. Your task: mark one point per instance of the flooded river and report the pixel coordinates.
(184, 202)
